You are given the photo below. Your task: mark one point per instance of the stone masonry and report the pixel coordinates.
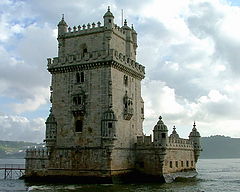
(94, 128)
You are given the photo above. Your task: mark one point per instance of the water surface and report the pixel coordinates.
(216, 175)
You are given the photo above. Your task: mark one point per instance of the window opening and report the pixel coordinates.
(77, 78)
(78, 126)
(110, 125)
(82, 77)
(163, 135)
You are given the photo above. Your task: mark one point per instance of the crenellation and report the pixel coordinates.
(97, 56)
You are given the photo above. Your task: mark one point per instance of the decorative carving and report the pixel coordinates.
(128, 107)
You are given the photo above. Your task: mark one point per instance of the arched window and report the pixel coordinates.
(79, 126)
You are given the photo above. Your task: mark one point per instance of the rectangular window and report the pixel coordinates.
(170, 164)
(77, 100)
(176, 163)
(82, 77)
(79, 126)
(187, 163)
(163, 135)
(192, 163)
(110, 125)
(181, 163)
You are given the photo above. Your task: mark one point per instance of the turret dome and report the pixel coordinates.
(194, 132)
(174, 133)
(51, 118)
(108, 13)
(160, 126)
(109, 115)
(62, 22)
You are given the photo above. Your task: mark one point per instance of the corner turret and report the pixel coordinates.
(134, 38)
(160, 133)
(194, 136)
(51, 130)
(62, 27)
(108, 19)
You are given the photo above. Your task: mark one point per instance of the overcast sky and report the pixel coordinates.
(190, 49)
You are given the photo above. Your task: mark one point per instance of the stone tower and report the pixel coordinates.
(94, 128)
(97, 107)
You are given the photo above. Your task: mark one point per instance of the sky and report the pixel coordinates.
(190, 50)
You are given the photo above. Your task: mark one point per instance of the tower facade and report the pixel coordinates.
(97, 108)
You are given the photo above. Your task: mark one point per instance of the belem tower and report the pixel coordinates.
(94, 128)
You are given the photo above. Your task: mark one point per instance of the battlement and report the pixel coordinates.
(179, 143)
(84, 29)
(93, 28)
(146, 141)
(94, 57)
(37, 153)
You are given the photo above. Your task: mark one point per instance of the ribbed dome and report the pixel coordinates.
(51, 118)
(194, 132)
(62, 22)
(174, 133)
(125, 26)
(108, 13)
(160, 125)
(109, 115)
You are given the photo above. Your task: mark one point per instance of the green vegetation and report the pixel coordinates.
(14, 149)
(217, 147)
(214, 147)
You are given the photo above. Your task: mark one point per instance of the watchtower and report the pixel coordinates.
(96, 94)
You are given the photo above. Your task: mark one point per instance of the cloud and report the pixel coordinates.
(189, 49)
(19, 128)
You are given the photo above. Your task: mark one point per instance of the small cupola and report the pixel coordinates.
(125, 26)
(160, 133)
(62, 27)
(51, 119)
(108, 19)
(160, 126)
(194, 132)
(174, 133)
(51, 130)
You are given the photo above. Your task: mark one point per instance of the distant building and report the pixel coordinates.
(94, 128)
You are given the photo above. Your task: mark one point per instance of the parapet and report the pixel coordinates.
(144, 140)
(180, 143)
(93, 28)
(84, 29)
(37, 153)
(95, 57)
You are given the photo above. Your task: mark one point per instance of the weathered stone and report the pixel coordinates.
(95, 125)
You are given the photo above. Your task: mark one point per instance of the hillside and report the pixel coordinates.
(215, 147)
(14, 149)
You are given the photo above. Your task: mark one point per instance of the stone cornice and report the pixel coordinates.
(96, 60)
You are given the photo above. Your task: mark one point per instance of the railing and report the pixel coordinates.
(12, 171)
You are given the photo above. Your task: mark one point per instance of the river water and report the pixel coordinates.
(213, 175)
